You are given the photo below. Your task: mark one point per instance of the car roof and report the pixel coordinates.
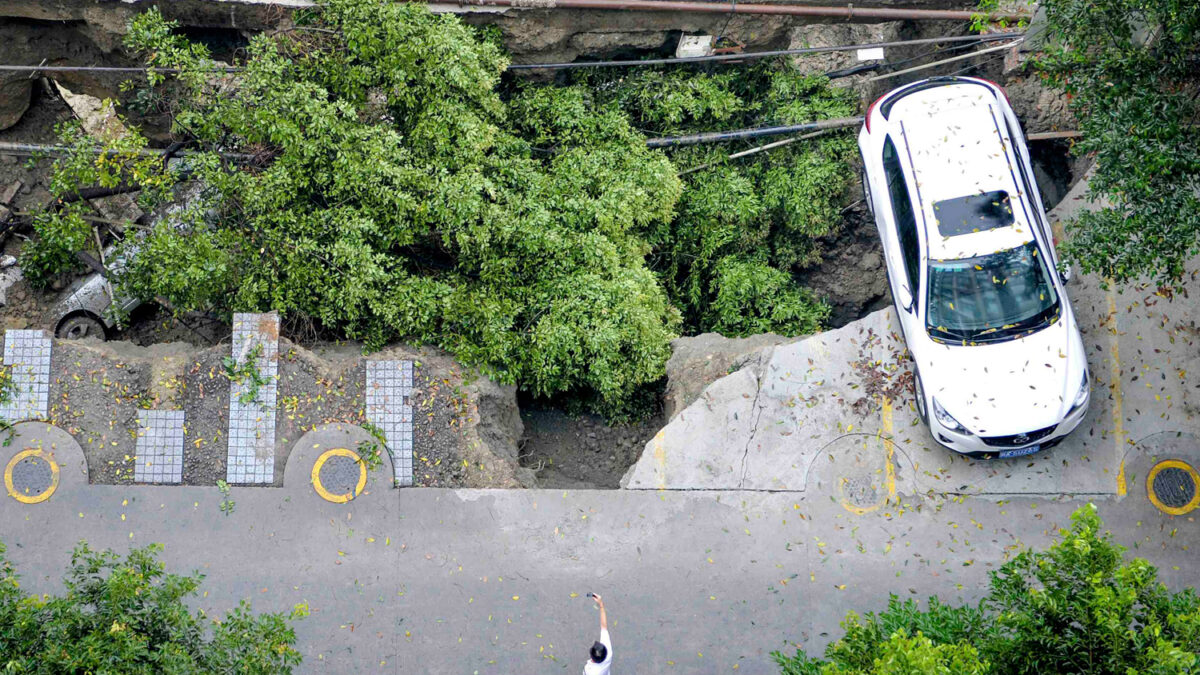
(959, 146)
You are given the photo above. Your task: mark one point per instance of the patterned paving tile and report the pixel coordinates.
(27, 353)
(389, 407)
(252, 422)
(159, 447)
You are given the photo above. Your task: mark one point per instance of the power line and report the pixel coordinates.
(760, 55)
(939, 62)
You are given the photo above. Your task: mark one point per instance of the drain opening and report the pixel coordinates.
(1174, 487)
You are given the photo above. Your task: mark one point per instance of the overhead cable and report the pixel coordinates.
(939, 62)
(759, 55)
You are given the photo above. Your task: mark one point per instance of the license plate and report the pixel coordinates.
(1004, 454)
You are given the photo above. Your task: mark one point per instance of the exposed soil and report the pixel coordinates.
(580, 451)
(850, 276)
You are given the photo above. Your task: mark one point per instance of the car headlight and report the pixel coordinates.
(1082, 397)
(946, 420)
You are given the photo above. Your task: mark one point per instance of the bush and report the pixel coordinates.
(1129, 69)
(394, 193)
(127, 615)
(392, 200)
(771, 208)
(1073, 608)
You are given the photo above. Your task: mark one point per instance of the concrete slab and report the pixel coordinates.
(27, 357)
(159, 456)
(251, 456)
(389, 406)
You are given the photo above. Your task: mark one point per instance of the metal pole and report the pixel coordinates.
(718, 136)
(848, 12)
(943, 61)
(37, 149)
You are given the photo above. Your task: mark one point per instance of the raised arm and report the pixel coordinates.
(603, 616)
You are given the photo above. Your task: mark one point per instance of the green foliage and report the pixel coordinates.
(752, 297)
(8, 388)
(1129, 70)
(246, 371)
(62, 229)
(1077, 608)
(742, 227)
(371, 451)
(1073, 608)
(395, 201)
(128, 615)
(227, 505)
(397, 194)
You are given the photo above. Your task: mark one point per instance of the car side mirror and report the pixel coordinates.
(1064, 273)
(905, 299)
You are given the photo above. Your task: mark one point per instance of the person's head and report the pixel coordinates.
(599, 652)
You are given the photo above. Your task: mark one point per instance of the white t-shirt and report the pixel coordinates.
(593, 668)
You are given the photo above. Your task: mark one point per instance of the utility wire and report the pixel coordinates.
(755, 151)
(939, 62)
(994, 37)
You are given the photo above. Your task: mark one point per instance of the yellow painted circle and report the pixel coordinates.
(844, 500)
(1173, 510)
(326, 494)
(48, 457)
(889, 479)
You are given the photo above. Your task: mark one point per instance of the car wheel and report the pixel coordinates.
(866, 191)
(919, 397)
(80, 326)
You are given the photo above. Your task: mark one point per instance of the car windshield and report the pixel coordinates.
(990, 297)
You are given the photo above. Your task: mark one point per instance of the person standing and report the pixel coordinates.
(601, 651)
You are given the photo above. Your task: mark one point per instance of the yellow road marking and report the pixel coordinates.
(47, 457)
(660, 462)
(326, 494)
(889, 468)
(1114, 387)
(886, 414)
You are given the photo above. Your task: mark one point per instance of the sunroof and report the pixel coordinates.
(973, 213)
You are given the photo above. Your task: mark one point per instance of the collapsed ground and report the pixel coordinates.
(564, 449)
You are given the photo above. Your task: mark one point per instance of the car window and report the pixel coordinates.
(1026, 184)
(906, 224)
(973, 213)
(990, 297)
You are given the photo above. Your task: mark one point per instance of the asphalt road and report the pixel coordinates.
(445, 581)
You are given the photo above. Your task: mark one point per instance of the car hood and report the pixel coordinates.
(1009, 387)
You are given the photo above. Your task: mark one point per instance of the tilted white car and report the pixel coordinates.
(1000, 368)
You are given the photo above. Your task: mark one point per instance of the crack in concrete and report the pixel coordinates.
(760, 372)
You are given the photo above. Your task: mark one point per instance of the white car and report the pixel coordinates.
(999, 365)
